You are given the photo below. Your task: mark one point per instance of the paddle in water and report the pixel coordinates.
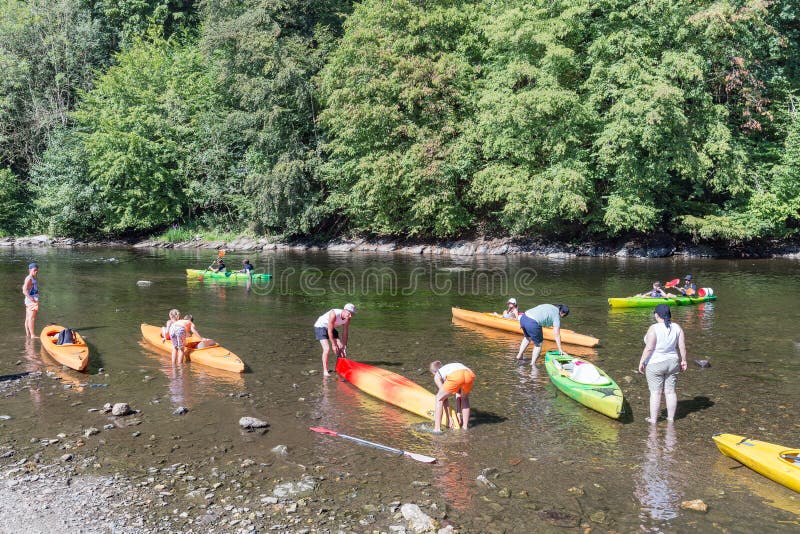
(219, 256)
(413, 455)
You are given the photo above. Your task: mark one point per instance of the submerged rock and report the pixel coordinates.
(559, 518)
(292, 489)
(697, 505)
(120, 409)
(418, 521)
(252, 422)
(180, 410)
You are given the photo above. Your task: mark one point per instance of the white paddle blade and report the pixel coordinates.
(420, 457)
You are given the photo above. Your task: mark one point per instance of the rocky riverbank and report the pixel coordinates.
(659, 247)
(61, 482)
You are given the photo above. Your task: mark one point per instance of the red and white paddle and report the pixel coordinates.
(413, 455)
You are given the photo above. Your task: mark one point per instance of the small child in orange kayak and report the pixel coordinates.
(178, 333)
(174, 315)
(453, 378)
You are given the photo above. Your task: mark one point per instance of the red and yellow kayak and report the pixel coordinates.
(512, 325)
(389, 387)
(215, 356)
(75, 355)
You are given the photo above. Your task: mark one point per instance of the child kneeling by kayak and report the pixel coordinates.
(453, 378)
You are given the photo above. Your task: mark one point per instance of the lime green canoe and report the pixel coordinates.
(584, 382)
(228, 275)
(650, 302)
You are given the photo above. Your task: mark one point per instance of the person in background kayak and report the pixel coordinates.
(247, 267)
(451, 379)
(512, 311)
(656, 292)
(532, 322)
(689, 288)
(30, 290)
(174, 315)
(218, 266)
(325, 332)
(178, 333)
(661, 362)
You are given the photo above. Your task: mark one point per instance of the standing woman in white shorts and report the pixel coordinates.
(661, 361)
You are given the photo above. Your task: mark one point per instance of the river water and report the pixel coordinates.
(550, 457)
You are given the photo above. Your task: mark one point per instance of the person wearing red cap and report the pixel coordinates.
(325, 332)
(30, 290)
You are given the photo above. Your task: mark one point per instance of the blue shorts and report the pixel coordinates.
(321, 333)
(531, 329)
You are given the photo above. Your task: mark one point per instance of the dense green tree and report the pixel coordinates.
(397, 96)
(144, 129)
(534, 126)
(48, 52)
(266, 55)
(66, 201)
(11, 203)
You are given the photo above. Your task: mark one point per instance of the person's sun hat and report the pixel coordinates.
(350, 307)
(687, 277)
(512, 300)
(33, 266)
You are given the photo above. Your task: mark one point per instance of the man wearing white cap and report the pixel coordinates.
(325, 332)
(512, 312)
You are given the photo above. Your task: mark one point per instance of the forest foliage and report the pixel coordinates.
(563, 119)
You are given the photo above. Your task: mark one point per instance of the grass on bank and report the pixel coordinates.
(180, 234)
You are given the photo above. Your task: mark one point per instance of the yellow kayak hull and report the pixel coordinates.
(512, 325)
(75, 355)
(216, 356)
(763, 458)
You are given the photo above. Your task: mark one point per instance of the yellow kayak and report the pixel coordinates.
(775, 462)
(512, 325)
(214, 356)
(74, 355)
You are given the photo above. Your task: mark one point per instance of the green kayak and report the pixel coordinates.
(228, 275)
(650, 302)
(584, 382)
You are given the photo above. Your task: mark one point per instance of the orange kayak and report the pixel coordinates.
(215, 356)
(75, 355)
(512, 325)
(389, 387)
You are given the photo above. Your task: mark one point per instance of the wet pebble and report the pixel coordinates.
(180, 410)
(418, 521)
(108, 427)
(576, 492)
(559, 518)
(696, 504)
(280, 450)
(252, 422)
(120, 408)
(485, 481)
(90, 432)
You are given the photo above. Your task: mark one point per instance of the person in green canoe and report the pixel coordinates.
(689, 288)
(247, 267)
(532, 322)
(218, 266)
(656, 292)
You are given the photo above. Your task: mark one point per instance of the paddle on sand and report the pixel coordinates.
(413, 455)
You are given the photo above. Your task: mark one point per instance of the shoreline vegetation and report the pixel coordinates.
(633, 248)
(565, 120)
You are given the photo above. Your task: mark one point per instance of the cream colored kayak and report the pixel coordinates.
(775, 462)
(214, 356)
(512, 325)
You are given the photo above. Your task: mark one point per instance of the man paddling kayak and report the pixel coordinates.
(532, 322)
(30, 289)
(689, 288)
(325, 332)
(451, 379)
